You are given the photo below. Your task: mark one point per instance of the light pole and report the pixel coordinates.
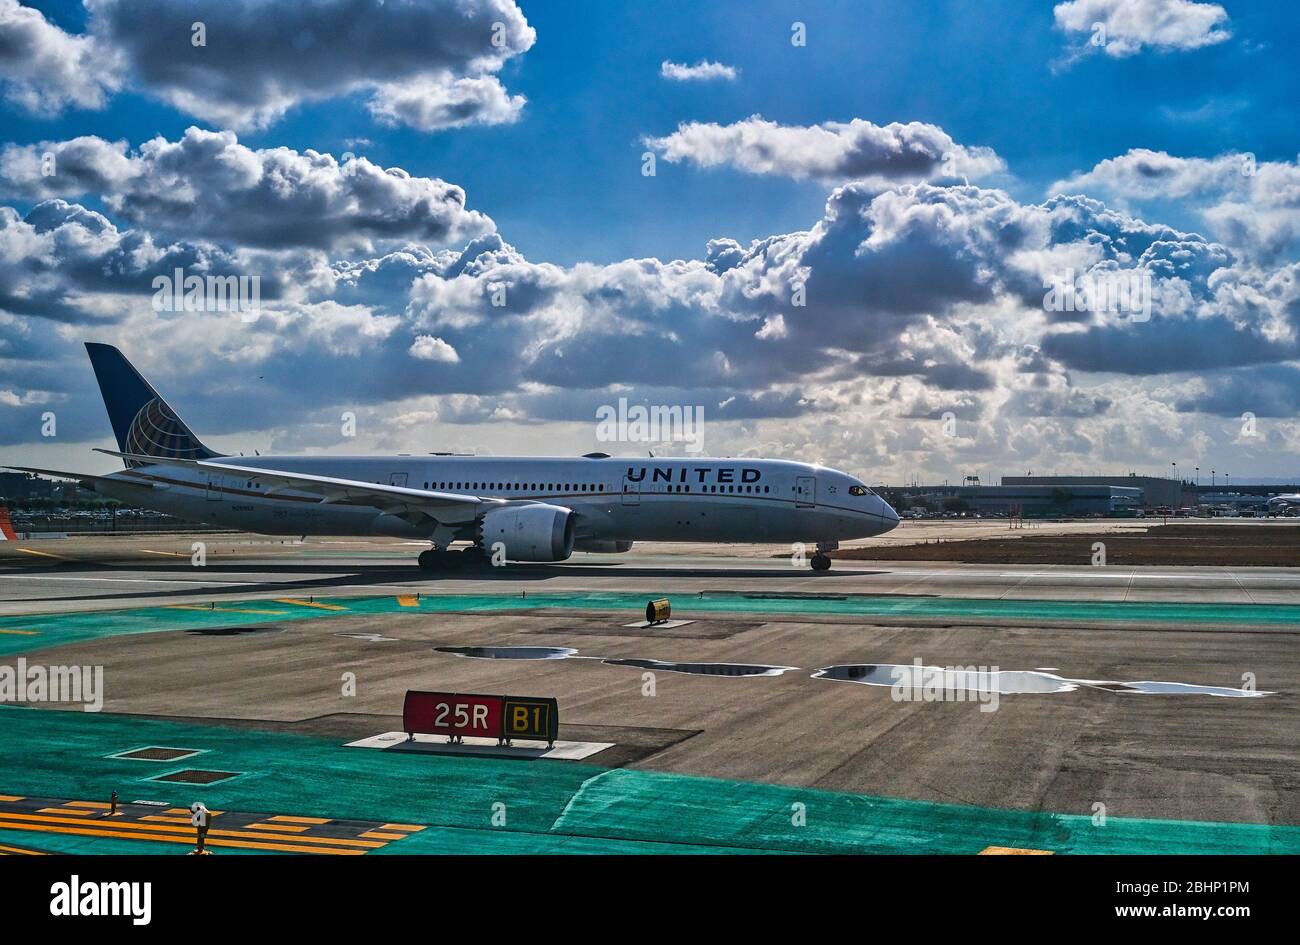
(1211, 478)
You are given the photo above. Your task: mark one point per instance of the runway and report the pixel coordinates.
(717, 725)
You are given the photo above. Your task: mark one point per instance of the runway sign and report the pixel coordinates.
(455, 714)
(461, 714)
(529, 718)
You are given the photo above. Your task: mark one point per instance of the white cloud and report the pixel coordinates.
(45, 70)
(1252, 206)
(1125, 27)
(429, 348)
(208, 186)
(702, 71)
(830, 152)
(429, 64)
(440, 103)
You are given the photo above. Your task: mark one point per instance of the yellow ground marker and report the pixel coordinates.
(286, 819)
(380, 835)
(93, 805)
(21, 633)
(228, 610)
(43, 554)
(409, 828)
(60, 810)
(1013, 851)
(11, 797)
(287, 828)
(308, 603)
(8, 819)
(6, 850)
(408, 601)
(165, 838)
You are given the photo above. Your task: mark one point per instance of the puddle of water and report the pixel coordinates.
(703, 669)
(1012, 682)
(1151, 687)
(913, 677)
(509, 652)
(232, 631)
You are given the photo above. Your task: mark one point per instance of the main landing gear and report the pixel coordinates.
(436, 559)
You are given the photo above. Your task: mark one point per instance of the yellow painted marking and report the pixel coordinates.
(1013, 851)
(19, 851)
(288, 828)
(64, 828)
(93, 805)
(286, 819)
(407, 601)
(21, 633)
(186, 811)
(227, 610)
(43, 554)
(6, 816)
(11, 797)
(411, 828)
(60, 810)
(380, 835)
(308, 603)
(163, 818)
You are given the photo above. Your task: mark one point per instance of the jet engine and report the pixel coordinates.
(602, 546)
(535, 532)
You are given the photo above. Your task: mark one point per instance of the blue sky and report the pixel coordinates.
(942, 327)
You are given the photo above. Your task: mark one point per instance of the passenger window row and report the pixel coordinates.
(518, 486)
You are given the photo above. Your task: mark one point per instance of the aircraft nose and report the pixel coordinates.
(889, 516)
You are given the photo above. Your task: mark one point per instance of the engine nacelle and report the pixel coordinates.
(537, 532)
(602, 546)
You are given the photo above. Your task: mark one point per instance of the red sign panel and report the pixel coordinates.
(452, 713)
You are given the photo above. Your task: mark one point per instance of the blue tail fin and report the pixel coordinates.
(142, 421)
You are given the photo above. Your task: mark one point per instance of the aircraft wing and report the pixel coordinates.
(79, 477)
(414, 505)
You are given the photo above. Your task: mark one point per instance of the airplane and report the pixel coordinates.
(1287, 503)
(510, 508)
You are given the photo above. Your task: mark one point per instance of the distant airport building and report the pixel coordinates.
(1037, 500)
(1155, 491)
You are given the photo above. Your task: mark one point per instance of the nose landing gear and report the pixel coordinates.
(821, 561)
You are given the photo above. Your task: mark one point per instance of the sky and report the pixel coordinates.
(834, 227)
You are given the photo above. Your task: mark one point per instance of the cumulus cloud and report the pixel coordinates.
(702, 71)
(247, 62)
(841, 342)
(831, 152)
(1125, 27)
(209, 186)
(429, 348)
(436, 104)
(1252, 206)
(45, 70)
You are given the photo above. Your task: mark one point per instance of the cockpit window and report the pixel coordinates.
(860, 490)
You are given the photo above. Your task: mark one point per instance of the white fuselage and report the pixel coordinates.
(618, 499)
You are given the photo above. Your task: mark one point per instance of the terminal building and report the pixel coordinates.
(1156, 491)
(1040, 500)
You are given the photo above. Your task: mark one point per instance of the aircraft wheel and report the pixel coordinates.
(428, 560)
(821, 562)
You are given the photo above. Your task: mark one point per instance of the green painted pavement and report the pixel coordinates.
(17, 636)
(550, 807)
